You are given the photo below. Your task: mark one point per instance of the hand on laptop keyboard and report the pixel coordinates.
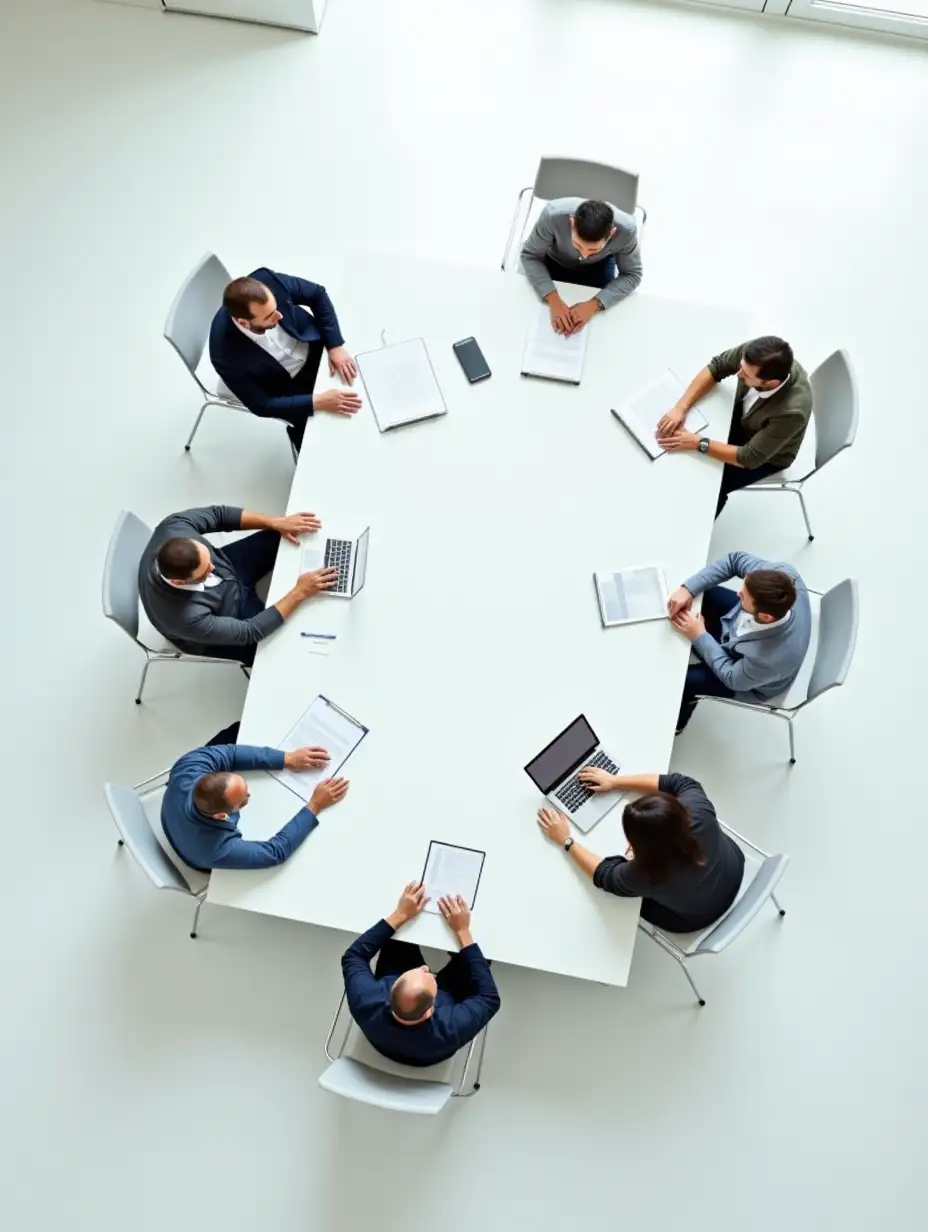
(595, 778)
(319, 579)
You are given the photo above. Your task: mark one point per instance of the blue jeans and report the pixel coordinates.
(701, 680)
(584, 273)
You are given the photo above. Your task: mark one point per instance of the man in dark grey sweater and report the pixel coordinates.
(202, 598)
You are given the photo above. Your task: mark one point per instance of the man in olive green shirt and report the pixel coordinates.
(773, 403)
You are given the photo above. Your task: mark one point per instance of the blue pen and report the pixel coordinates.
(329, 637)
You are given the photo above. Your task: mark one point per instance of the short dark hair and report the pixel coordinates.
(771, 356)
(241, 293)
(178, 559)
(593, 221)
(414, 1011)
(659, 831)
(773, 591)
(209, 795)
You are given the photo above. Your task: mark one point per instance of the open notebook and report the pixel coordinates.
(641, 415)
(552, 355)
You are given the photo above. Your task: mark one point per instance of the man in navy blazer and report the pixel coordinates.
(267, 348)
(408, 1014)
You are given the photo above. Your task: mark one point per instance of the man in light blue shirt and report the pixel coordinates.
(751, 642)
(206, 793)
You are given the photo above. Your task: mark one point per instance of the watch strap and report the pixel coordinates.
(568, 843)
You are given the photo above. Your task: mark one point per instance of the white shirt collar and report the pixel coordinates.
(211, 579)
(746, 623)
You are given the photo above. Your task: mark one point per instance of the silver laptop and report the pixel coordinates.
(348, 556)
(554, 772)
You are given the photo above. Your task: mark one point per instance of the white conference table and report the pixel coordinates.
(477, 636)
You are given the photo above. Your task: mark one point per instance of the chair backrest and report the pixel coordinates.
(135, 830)
(354, 1080)
(574, 177)
(194, 307)
(834, 405)
(121, 572)
(746, 908)
(837, 637)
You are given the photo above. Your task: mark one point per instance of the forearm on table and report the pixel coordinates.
(587, 861)
(258, 521)
(724, 453)
(698, 387)
(288, 603)
(635, 782)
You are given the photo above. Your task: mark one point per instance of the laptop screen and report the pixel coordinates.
(360, 563)
(563, 755)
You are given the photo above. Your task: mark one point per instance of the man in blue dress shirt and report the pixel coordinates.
(406, 1012)
(206, 793)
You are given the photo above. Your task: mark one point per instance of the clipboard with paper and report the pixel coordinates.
(326, 726)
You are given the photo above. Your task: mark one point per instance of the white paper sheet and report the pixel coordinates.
(451, 870)
(553, 355)
(401, 384)
(628, 595)
(648, 407)
(326, 727)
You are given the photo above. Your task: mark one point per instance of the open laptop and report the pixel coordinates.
(554, 772)
(348, 556)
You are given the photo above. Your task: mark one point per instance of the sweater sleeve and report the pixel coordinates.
(687, 790)
(782, 429)
(471, 1015)
(727, 363)
(203, 521)
(206, 628)
(735, 564)
(740, 674)
(243, 853)
(361, 986)
(628, 263)
(616, 875)
(534, 251)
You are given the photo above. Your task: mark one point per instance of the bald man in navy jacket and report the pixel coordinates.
(408, 1014)
(267, 348)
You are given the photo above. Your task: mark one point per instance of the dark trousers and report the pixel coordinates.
(228, 735)
(588, 274)
(700, 679)
(303, 383)
(399, 956)
(735, 477)
(252, 558)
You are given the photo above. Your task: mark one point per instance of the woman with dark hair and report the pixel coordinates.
(679, 862)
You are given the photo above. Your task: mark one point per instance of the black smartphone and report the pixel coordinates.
(470, 357)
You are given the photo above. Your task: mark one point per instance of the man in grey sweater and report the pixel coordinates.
(587, 242)
(751, 642)
(202, 598)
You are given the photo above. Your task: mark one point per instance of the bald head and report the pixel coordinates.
(412, 997)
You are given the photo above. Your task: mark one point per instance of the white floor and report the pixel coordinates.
(152, 1082)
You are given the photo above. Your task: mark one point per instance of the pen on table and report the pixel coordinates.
(329, 637)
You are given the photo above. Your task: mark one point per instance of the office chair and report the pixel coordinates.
(570, 177)
(831, 659)
(835, 413)
(147, 845)
(121, 596)
(757, 887)
(357, 1071)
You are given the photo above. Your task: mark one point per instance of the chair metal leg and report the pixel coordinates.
(244, 668)
(138, 696)
(475, 1085)
(805, 514)
(195, 426)
(196, 915)
(792, 744)
(685, 971)
(775, 901)
(675, 954)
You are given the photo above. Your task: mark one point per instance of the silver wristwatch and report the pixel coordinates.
(704, 444)
(568, 843)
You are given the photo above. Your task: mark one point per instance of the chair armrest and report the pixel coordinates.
(512, 225)
(146, 784)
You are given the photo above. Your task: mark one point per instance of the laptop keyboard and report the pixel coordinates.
(338, 556)
(573, 793)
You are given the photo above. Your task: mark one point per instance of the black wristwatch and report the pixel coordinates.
(568, 843)
(704, 444)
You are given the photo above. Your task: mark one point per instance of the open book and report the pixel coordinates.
(553, 355)
(644, 412)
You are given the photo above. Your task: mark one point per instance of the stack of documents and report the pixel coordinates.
(449, 871)
(555, 356)
(645, 411)
(401, 384)
(629, 595)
